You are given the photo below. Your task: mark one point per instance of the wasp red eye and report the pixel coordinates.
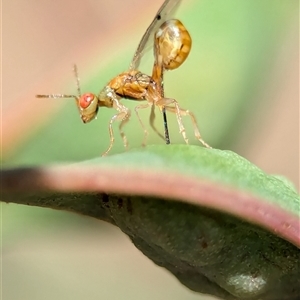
(86, 99)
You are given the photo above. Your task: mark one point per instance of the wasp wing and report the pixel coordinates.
(167, 9)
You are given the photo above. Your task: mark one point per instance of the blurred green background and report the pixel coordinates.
(240, 80)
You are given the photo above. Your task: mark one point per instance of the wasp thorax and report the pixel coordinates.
(106, 97)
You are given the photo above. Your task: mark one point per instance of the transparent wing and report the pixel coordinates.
(165, 12)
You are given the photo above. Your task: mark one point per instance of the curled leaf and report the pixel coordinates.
(218, 223)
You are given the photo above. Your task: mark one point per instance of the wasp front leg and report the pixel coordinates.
(123, 116)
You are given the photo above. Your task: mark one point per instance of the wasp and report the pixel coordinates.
(172, 45)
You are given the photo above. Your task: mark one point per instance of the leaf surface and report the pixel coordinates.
(217, 222)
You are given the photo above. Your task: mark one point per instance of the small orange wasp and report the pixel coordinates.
(172, 45)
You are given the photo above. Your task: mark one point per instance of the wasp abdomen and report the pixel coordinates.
(173, 43)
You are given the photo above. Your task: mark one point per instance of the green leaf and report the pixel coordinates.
(218, 223)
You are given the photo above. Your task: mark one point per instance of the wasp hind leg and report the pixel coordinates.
(172, 106)
(136, 109)
(151, 120)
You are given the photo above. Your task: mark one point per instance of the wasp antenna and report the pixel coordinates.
(77, 80)
(55, 96)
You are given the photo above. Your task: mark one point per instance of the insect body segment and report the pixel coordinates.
(132, 84)
(173, 43)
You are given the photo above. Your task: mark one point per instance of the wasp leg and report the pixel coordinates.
(125, 119)
(138, 107)
(151, 120)
(167, 102)
(124, 116)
